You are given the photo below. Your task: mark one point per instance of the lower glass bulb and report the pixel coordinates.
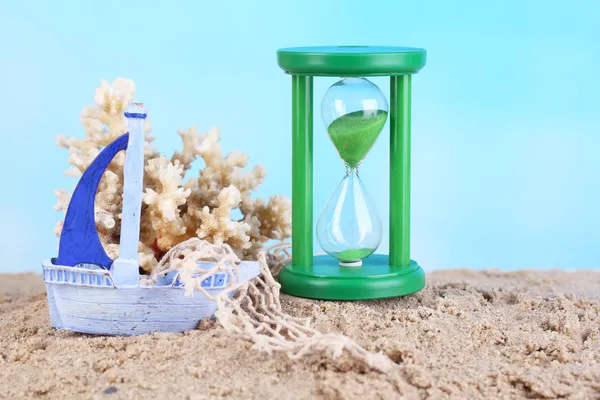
(349, 228)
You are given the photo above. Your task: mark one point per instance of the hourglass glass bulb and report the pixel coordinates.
(354, 111)
(349, 228)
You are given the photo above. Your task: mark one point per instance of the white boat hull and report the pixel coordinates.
(87, 301)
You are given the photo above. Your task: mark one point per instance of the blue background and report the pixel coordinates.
(506, 117)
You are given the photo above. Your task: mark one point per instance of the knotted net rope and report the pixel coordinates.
(252, 310)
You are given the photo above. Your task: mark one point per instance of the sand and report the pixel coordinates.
(469, 334)
(354, 134)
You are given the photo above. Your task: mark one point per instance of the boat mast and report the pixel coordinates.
(125, 269)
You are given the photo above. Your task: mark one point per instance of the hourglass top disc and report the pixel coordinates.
(351, 60)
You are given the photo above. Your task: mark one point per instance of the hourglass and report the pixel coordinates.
(354, 111)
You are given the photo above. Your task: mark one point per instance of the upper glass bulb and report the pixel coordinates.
(354, 111)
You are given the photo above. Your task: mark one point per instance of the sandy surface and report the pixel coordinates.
(467, 335)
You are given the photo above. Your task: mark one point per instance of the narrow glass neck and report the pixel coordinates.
(350, 170)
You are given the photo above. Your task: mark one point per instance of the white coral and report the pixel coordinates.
(173, 210)
(63, 198)
(171, 195)
(191, 146)
(216, 224)
(164, 200)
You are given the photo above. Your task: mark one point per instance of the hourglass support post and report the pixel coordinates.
(302, 177)
(400, 170)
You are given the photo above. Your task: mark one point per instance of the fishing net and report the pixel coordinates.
(252, 310)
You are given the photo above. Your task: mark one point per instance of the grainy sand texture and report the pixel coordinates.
(468, 335)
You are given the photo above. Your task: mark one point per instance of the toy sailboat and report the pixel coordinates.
(90, 293)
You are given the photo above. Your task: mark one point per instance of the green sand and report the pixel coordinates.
(355, 133)
(353, 254)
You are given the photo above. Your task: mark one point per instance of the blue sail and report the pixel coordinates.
(79, 240)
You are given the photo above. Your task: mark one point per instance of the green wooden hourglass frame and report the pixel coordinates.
(349, 231)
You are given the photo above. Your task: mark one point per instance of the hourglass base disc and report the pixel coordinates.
(375, 279)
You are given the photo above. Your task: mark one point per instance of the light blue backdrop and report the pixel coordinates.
(506, 121)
